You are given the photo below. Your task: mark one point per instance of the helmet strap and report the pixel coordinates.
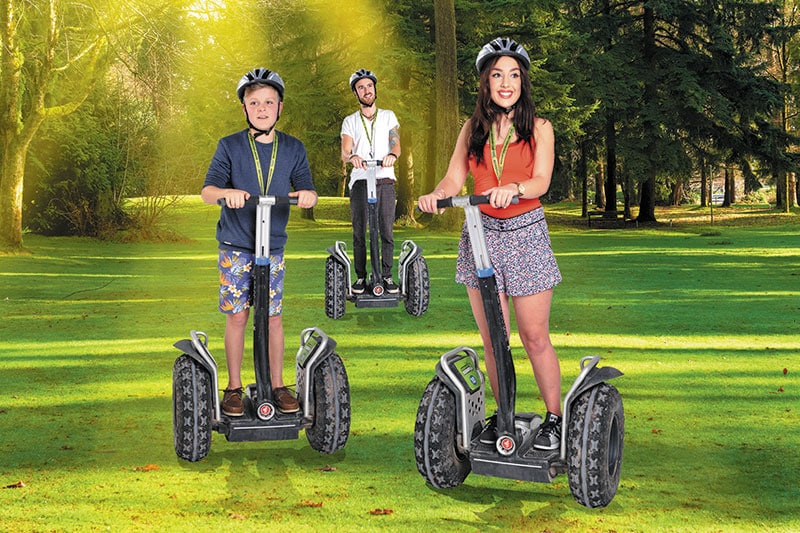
(260, 132)
(504, 110)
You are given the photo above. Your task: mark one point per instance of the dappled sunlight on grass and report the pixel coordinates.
(702, 328)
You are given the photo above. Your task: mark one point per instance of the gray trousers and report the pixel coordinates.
(358, 215)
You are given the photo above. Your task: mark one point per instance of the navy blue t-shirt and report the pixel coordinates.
(233, 167)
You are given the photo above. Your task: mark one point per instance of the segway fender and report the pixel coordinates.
(460, 372)
(186, 347)
(315, 347)
(590, 376)
(197, 349)
(339, 252)
(595, 377)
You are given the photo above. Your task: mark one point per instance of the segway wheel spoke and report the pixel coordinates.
(435, 438)
(331, 426)
(192, 405)
(335, 288)
(418, 287)
(594, 447)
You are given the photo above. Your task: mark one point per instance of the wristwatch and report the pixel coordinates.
(520, 188)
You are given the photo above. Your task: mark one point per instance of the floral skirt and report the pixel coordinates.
(520, 252)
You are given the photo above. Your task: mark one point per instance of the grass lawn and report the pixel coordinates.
(703, 320)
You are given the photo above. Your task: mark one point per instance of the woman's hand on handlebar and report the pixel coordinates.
(500, 197)
(306, 199)
(427, 203)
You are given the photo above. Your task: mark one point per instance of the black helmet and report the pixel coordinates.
(502, 47)
(259, 75)
(361, 74)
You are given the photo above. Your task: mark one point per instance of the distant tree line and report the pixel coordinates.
(101, 102)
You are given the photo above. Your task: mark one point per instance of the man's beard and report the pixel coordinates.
(364, 104)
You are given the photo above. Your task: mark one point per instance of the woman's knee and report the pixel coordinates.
(537, 344)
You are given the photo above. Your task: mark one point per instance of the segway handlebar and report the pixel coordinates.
(462, 201)
(272, 200)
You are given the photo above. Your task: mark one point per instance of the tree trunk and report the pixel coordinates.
(405, 176)
(446, 122)
(647, 207)
(12, 170)
(599, 184)
(583, 177)
(730, 186)
(446, 126)
(405, 164)
(704, 185)
(610, 187)
(784, 178)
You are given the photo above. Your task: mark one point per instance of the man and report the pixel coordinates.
(371, 134)
(256, 161)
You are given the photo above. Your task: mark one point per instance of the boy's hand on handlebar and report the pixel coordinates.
(235, 198)
(306, 199)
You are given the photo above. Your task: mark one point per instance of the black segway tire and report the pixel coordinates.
(595, 440)
(335, 288)
(192, 404)
(435, 445)
(331, 427)
(418, 287)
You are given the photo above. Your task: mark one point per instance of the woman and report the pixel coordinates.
(509, 152)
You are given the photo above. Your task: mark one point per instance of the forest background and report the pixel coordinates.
(655, 103)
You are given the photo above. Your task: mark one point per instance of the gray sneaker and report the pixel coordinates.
(390, 286)
(548, 436)
(358, 286)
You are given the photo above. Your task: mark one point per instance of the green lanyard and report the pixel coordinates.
(370, 136)
(272, 158)
(498, 165)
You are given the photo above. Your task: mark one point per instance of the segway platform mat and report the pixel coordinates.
(245, 429)
(368, 300)
(539, 466)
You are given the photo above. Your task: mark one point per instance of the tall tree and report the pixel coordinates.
(47, 66)
(446, 124)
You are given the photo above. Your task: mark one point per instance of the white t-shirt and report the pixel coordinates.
(352, 126)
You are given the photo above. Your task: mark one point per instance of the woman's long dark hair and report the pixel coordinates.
(486, 111)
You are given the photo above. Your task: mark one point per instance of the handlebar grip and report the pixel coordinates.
(254, 200)
(473, 199)
(286, 200)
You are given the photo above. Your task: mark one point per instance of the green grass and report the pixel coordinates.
(702, 320)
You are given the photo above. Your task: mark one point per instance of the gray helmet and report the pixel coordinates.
(360, 74)
(259, 75)
(502, 47)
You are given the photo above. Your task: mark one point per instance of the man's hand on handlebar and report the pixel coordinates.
(305, 199)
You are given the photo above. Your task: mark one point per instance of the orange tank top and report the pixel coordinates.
(518, 167)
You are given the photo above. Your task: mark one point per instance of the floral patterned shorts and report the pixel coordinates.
(235, 269)
(520, 252)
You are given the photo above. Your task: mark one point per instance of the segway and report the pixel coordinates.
(414, 288)
(322, 387)
(450, 418)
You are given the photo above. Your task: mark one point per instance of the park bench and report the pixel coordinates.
(606, 216)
